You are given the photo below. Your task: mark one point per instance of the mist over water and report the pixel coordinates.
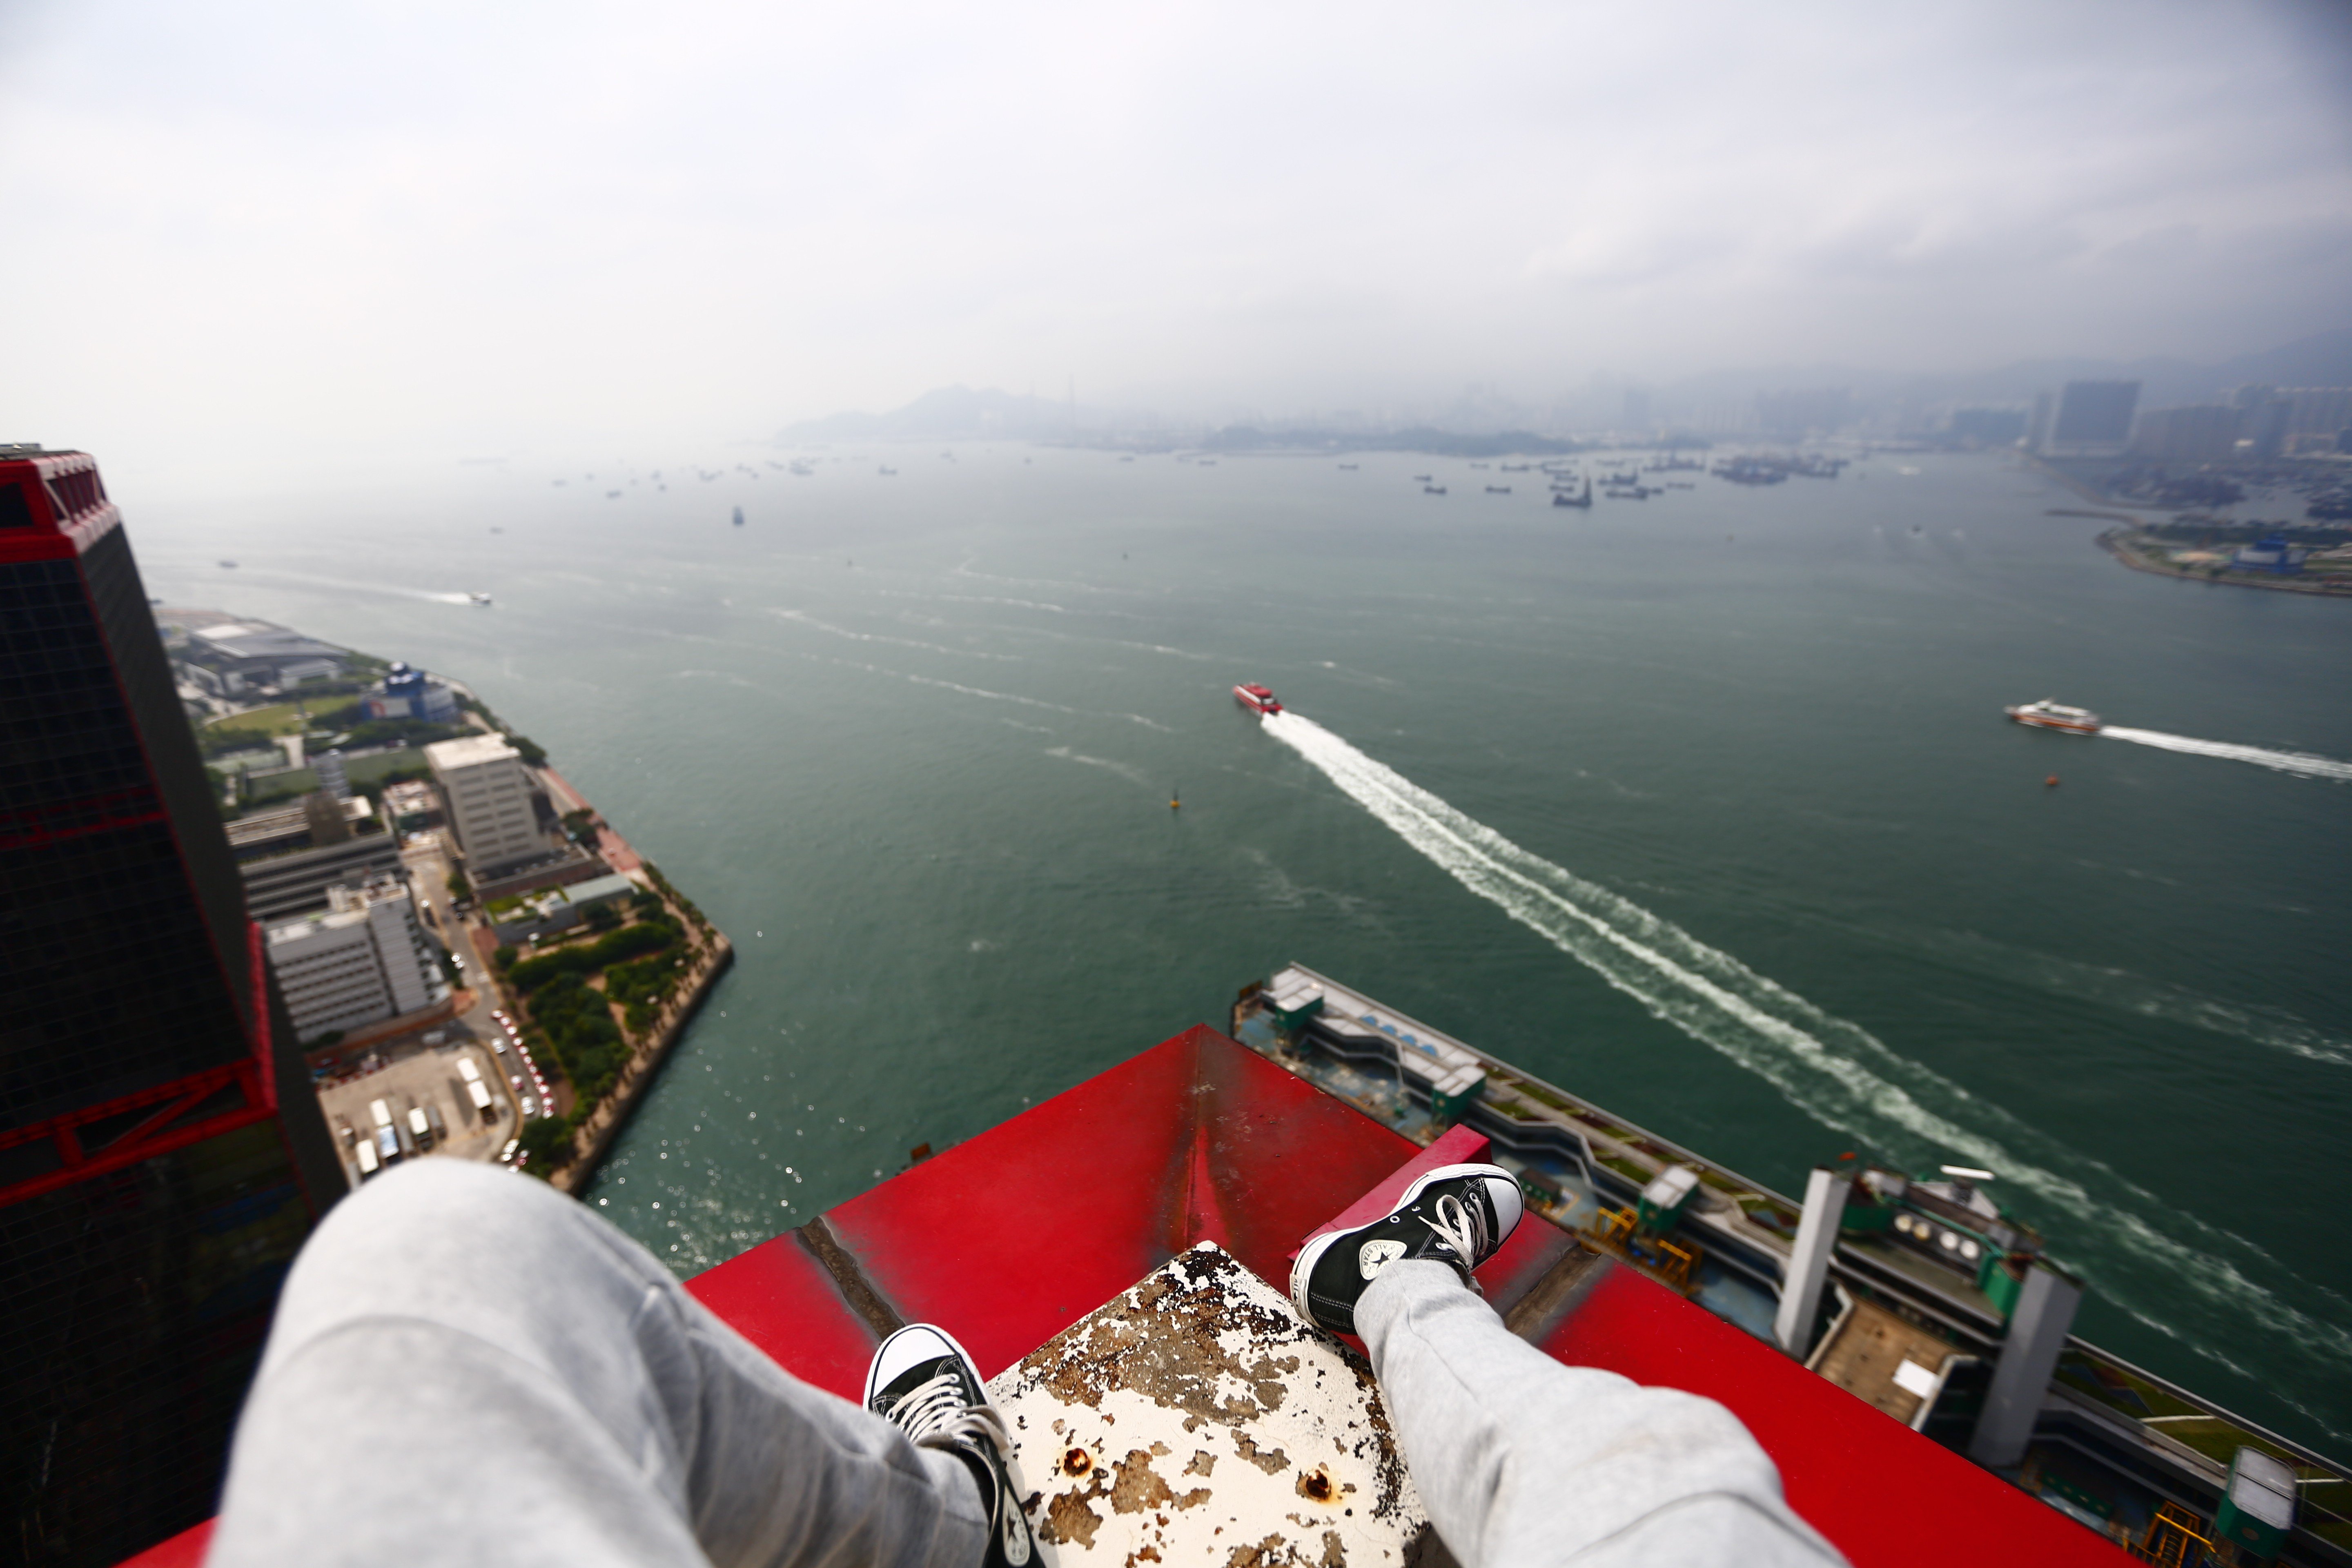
(1703, 807)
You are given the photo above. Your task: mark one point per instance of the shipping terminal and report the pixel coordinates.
(1922, 1298)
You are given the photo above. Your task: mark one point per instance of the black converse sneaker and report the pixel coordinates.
(1455, 1214)
(922, 1383)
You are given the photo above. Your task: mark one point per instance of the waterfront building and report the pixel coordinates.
(487, 793)
(2271, 554)
(231, 658)
(161, 1156)
(2094, 419)
(408, 693)
(360, 961)
(2202, 433)
(530, 915)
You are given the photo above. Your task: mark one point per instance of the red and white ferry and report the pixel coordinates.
(1257, 699)
(2048, 715)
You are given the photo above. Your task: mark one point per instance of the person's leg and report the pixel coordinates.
(466, 1366)
(1521, 1460)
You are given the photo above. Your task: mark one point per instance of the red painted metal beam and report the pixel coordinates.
(159, 1133)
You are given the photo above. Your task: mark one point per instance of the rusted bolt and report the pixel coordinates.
(1078, 1462)
(1317, 1484)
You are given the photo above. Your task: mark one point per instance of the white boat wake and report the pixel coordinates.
(1836, 1072)
(2303, 765)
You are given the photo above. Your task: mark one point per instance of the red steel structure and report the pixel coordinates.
(162, 1155)
(1011, 1237)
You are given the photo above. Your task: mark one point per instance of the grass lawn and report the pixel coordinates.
(284, 719)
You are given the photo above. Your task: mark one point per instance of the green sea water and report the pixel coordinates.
(1703, 807)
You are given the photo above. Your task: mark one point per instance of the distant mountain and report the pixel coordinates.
(960, 414)
(949, 413)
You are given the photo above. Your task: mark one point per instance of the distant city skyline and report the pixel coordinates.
(433, 234)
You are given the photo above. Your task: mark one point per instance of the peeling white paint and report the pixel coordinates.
(1196, 1418)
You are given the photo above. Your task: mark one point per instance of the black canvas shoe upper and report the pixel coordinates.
(922, 1383)
(1455, 1214)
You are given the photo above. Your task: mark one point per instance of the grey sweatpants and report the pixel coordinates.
(469, 1368)
(1522, 1460)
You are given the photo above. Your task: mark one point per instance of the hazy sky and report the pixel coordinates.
(531, 228)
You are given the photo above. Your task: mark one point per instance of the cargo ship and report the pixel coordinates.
(1257, 699)
(1922, 1296)
(2049, 715)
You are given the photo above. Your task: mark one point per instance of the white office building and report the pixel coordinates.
(487, 792)
(361, 960)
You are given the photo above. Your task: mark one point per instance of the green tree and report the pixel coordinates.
(548, 1141)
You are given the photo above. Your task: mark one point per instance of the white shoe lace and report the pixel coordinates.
(935, 1416)
(1462, 1227)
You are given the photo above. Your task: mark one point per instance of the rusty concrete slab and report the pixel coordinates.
(1196, 1418)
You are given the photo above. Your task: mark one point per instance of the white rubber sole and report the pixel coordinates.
(916, 1342)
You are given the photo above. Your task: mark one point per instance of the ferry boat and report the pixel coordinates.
(1257, 699)
(2048, 715)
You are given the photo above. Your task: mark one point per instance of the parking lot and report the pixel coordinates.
(432, 1080)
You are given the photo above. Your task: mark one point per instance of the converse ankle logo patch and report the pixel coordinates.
(1376, 1255)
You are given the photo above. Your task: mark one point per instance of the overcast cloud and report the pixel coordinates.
(466, 229)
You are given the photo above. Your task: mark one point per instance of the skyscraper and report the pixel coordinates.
(2094, 419)
(162, 1155)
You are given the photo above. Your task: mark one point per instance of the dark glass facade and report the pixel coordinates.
(162, 1155)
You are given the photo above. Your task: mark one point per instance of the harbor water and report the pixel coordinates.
(1702, 806)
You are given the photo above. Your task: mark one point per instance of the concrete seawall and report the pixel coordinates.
(2121, 544)
(595, 1135)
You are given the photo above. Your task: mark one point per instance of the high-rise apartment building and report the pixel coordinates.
(360, 961)
(1790, 413)
(2094, 419)
(488, 792)
(2319, 418)
(2202, 433)
(162, 1155)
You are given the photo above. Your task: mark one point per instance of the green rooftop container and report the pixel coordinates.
(2258, 1505)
